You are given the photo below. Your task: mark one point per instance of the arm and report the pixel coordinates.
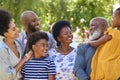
(80, 65)
(7, 70)
(22, 61)
(100, 41)
(52, 70)
(51, 77)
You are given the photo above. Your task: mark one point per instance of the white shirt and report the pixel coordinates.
(64, 64)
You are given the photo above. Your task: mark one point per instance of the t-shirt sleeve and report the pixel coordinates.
(52, 68)
(23, 70)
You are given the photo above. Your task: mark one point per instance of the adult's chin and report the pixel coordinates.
(94, 36)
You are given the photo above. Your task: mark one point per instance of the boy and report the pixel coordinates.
(40, 66)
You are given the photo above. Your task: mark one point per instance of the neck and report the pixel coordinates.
(28, 32)
(9, 41)
(65, 49)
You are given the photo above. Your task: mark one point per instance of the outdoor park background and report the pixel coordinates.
(78, 12)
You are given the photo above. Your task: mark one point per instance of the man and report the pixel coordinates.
(85, 52)
(31, 24)
(108, 54)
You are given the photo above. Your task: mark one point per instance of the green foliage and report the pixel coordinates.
(78, 12)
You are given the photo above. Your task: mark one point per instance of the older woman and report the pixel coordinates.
(10, 50)
(64, 55)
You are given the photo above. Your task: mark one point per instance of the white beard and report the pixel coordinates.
(97, 33)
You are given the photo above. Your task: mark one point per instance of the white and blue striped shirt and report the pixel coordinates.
(38, 69)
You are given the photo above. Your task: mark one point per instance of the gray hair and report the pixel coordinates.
(101, 20)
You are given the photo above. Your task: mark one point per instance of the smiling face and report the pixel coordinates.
(40, 48)
(65, 36)
(13, 31)
(116, 19)
(32, 22)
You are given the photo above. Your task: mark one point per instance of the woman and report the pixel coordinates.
(64, 55)
(10, 50)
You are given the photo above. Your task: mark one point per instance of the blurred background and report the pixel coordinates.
(78, 12)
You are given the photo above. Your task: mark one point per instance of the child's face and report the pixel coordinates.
(116, 19)
(40, 48)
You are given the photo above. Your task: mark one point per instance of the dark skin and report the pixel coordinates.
(30, 22)
(116, 20)
(106, 37)
(65, 38)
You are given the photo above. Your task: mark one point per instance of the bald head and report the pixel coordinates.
(100, 21)
(25, 15)
(97, 27)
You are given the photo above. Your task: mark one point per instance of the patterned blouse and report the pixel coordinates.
(64, 64)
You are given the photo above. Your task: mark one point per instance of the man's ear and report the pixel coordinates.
(25, 23)
(33, 47)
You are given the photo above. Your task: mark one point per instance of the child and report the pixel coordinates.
(40, 66)
(106, 61)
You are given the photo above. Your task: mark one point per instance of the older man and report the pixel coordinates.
(85, 52)
(31, 24)
(106, 61)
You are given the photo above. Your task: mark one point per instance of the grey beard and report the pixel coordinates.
(97, 33)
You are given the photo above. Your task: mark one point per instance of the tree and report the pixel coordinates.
(78, 12)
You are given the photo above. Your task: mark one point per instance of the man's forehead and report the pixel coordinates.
(31, 16)
(94, 21)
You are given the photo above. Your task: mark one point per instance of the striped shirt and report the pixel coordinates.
(38, 69)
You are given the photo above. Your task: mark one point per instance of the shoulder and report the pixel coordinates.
(22, 35)
(112, 31)
(50, 36)
(52, 50)
(2, 44)
(3, 51)
(53, 53)
(83, 47)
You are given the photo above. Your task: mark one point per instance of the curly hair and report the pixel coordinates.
(57, 28)
(5, 19)
(35, 37)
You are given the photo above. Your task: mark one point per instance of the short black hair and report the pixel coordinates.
(35, 37)
(57, 28)
(5, 19)
(118, 11)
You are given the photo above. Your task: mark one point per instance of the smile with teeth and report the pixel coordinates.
(69, 38)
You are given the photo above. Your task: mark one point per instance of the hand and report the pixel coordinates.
(86, 42)
(28, 55)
